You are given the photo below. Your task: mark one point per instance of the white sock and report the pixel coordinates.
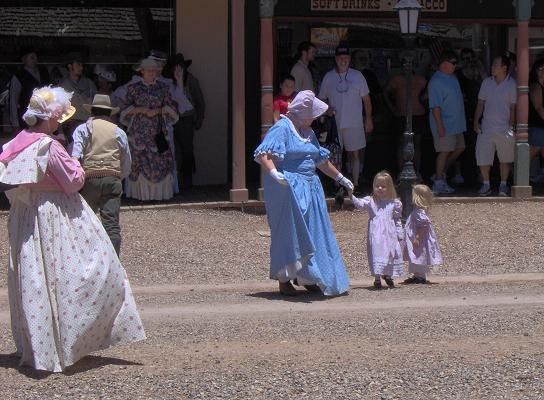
(486, 183)
(503, 183)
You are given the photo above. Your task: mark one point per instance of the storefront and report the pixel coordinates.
(370, 28)
(240, 48)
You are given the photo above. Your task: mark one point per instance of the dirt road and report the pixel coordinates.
(462, 337)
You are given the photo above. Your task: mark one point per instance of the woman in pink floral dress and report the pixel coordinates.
(68, 293)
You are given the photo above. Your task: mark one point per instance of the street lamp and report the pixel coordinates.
(408, 16)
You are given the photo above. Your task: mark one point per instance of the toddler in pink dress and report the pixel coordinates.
(385, 232)
(422, 250)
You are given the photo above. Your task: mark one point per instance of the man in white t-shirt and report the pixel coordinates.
(346, 91)
(497, 102)
(300, 71)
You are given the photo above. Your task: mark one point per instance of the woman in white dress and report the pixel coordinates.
(68, 293)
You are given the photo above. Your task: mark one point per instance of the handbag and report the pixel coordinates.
(160, 137)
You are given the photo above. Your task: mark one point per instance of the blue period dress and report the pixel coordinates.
(303, 244)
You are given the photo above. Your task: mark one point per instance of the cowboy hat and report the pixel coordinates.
(101, 101)
(178, 59)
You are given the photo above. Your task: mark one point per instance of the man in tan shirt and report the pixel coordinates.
(102, 148)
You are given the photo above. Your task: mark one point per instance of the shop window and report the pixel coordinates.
(114, 34)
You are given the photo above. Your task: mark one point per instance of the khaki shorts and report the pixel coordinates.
(449, 143)
(352, 139)
(487, 143)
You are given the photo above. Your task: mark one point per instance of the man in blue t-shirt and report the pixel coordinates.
(447, 118)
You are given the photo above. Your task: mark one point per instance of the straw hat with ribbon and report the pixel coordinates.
(49, 103)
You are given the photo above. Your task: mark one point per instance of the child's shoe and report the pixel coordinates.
(389, 281)
(377, 284)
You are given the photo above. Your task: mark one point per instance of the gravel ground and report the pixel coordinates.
(368, 345)
(217, 329)
(184, 247)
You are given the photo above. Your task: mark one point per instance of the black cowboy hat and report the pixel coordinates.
(178, 59)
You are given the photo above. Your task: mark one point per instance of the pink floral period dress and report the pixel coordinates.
(68, 293)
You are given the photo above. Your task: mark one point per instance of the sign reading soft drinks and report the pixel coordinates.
(374, 5)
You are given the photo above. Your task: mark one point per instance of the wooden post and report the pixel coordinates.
(521, 188)
(239, 191)
(267, 71)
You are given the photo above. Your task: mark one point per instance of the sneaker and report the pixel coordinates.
(458, 179)
(503, 190)
(485, 190)
(441, 187)
(421, 281)
(377, 284)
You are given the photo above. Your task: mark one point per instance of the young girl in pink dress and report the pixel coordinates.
(422, 250)
(384, 230)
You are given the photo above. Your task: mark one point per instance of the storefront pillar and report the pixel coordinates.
(239, 191)
(521, 188)
(267, 71)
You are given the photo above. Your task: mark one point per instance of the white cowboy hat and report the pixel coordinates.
(101, 101)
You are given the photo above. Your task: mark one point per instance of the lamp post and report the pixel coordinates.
(408, 18)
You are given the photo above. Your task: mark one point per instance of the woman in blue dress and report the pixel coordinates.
(303, 245)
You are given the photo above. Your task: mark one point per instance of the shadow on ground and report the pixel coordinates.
(11, 361)
(302, 296)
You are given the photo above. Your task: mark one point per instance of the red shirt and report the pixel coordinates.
(281, 102)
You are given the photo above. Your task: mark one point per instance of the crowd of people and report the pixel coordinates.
(471, 116)
(160, 108)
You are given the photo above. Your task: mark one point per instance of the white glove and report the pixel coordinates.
(278, 176)
(342, 180)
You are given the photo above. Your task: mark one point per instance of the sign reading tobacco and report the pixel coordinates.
(374, 5)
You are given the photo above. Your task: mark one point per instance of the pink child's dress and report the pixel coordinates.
(384, 234)
(427, 253)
